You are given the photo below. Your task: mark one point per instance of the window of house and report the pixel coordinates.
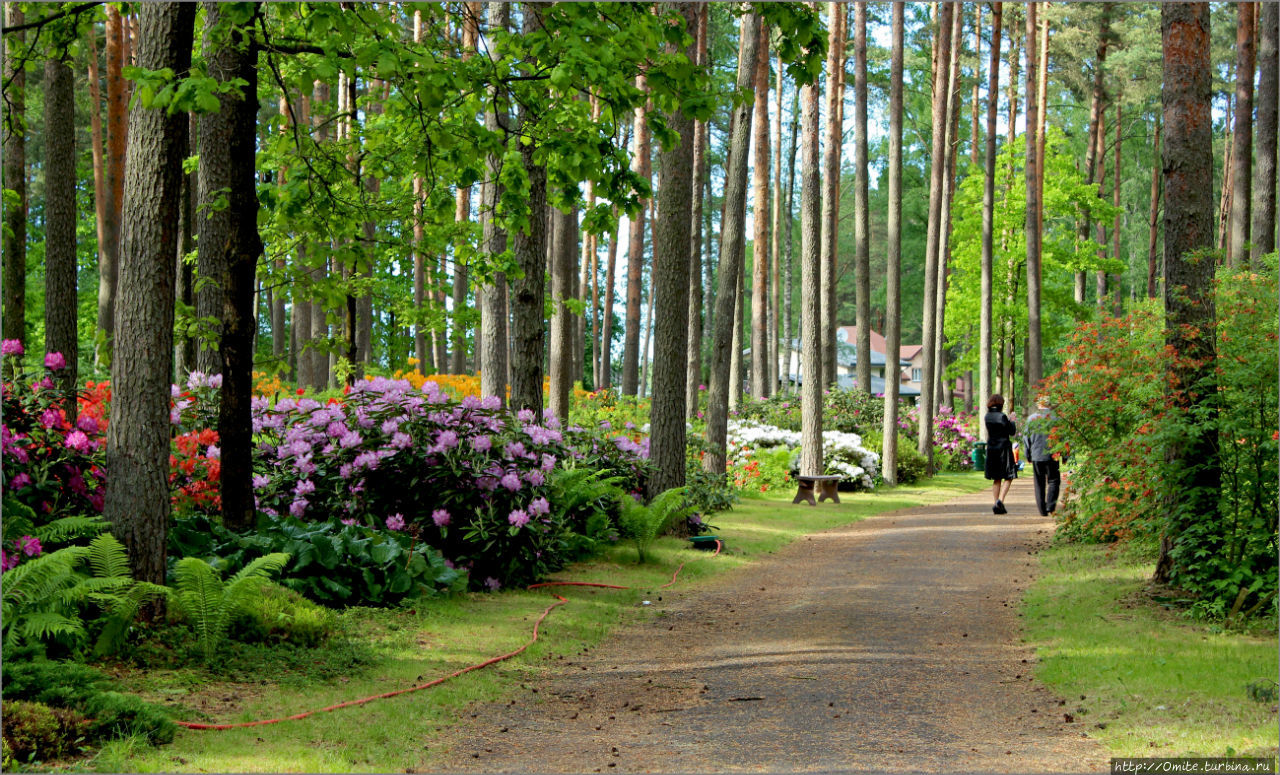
(917, 375)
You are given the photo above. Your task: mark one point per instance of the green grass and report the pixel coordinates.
(1150, 682)
(402, 648)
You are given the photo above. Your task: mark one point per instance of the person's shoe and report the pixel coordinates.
(1000, 509)
(995, 509)
(1044, 513)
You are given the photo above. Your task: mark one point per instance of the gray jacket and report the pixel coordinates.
(1036, 435)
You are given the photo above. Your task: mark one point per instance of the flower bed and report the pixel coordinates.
(842, 453)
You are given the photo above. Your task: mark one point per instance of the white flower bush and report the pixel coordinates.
(842, 453)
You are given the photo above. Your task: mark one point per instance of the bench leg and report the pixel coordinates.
(805, 494)
(830, 490)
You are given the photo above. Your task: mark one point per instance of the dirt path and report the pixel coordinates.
(892, 644)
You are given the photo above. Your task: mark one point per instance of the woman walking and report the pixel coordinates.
(1001, 468)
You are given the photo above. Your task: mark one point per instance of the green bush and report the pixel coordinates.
(707, 493)
(911, 466)
(333, 564)
(34, 731)
(79, 687)
(643, 523)
(276, 614)
(201, 597)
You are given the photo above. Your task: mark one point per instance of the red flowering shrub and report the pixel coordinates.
(195, 469)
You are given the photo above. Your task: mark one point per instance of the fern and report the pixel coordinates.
(209, 604)
(643, 523)
(60, 531)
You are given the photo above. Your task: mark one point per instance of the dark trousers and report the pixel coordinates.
(1048, 479)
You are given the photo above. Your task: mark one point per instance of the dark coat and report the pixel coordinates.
(1000, 431)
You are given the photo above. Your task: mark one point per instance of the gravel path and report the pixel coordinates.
(888, 645)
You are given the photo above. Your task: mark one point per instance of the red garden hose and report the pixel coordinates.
(494, 660)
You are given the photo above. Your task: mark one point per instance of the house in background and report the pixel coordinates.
(912, 357)
(847, 363)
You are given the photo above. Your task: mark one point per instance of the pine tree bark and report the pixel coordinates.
(606, 335)
(564, 247)
(775, 276)
(137, 495)
(60, 225)
(831, 149)
(937, 169)
(184, 348)
(672, 237)
(941, 391)
(861, 203)
(1117, 296)
(320, 350)
(635, 256)
(988, 221)
(731, 245)
(1095, 120)
(14, 245)
(493, 298)
(1032, 166)
(735, 348)
(893, 264)
(279, 320)
(1264, 193)
(811, 331)
(1242, 145)
(1154, 218)
(790, 343)
(760, 226)
(113, 182)
(693, 343)
(230, 246)
(529, 246)
(1189, 304)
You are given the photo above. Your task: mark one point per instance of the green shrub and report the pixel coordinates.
(911, 465)
(86, 690)
(643, 523)
(202, 598)
(707, 493)
(276, 614)
(34, 731)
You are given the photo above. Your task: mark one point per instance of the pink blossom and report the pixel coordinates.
(78, 441)
(511, 481)
(55, 361)
(518, 517)
(51, 418)
(348, 521)
(395, 522)
(8, 561)
(29, 546)
(87, 424)
(12, 347)
(19, 481)
(481, 443)
(539, 506)
(440, 517)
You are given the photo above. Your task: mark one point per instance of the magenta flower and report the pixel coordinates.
(29, 546)
(51, 418)
(19, 481)
(491, 583)
(298, 507)
(539, 507)
(260, 481)
(518, 517)
(55, 362)
(348, 521)
(446, 440)
(511, 481)
(304, 487)
(395, 522)
(12, 347)
(481, 443)
(8, 561)
(87, 424)
(78, 441)
(401, 440)
(440, 517)
(536, 478)
(213, 453)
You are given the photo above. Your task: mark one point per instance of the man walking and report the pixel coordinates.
(1044, 465)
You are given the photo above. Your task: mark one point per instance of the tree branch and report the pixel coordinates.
(73, 11)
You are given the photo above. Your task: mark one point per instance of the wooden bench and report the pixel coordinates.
(826, 485)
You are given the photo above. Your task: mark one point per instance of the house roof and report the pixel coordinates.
(850, 334)
(909, 351)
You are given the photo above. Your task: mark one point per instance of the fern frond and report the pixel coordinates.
(41, 625)
(108, 557)
(248, 580)
(122, 613)
(70, 528)
(42, 577)
(199, 599)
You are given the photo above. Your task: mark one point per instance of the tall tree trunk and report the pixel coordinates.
(775, 215)
(1117, 298)
(941, 391)
(988, 220)
(279, 325)
(137, 494)
(791, 345)
(861, 203)
(974, 129)
(492, 352)
(811, 331)
(735, 349)
(1042, 95)
(760, 227)
(230, 246)
(732, 236)
(14, 246)
(937, 169)
(564, 246)
(100, 203)
(420, 299)
(113, 182)
(1189, 305)
(529, 246)
(672, 236)
(606, 335)
(831, 148)
(635, 256)
(1032, 167)
(1264, 194)
(184, 349)
(893, 264)
(1242, 145)
(60, 225)
(320, 351)
(693, 342)
(364, 267)
(1100, 285)
(462, 212)
(1154, 220)
(1095, 123)
(1224, 201)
